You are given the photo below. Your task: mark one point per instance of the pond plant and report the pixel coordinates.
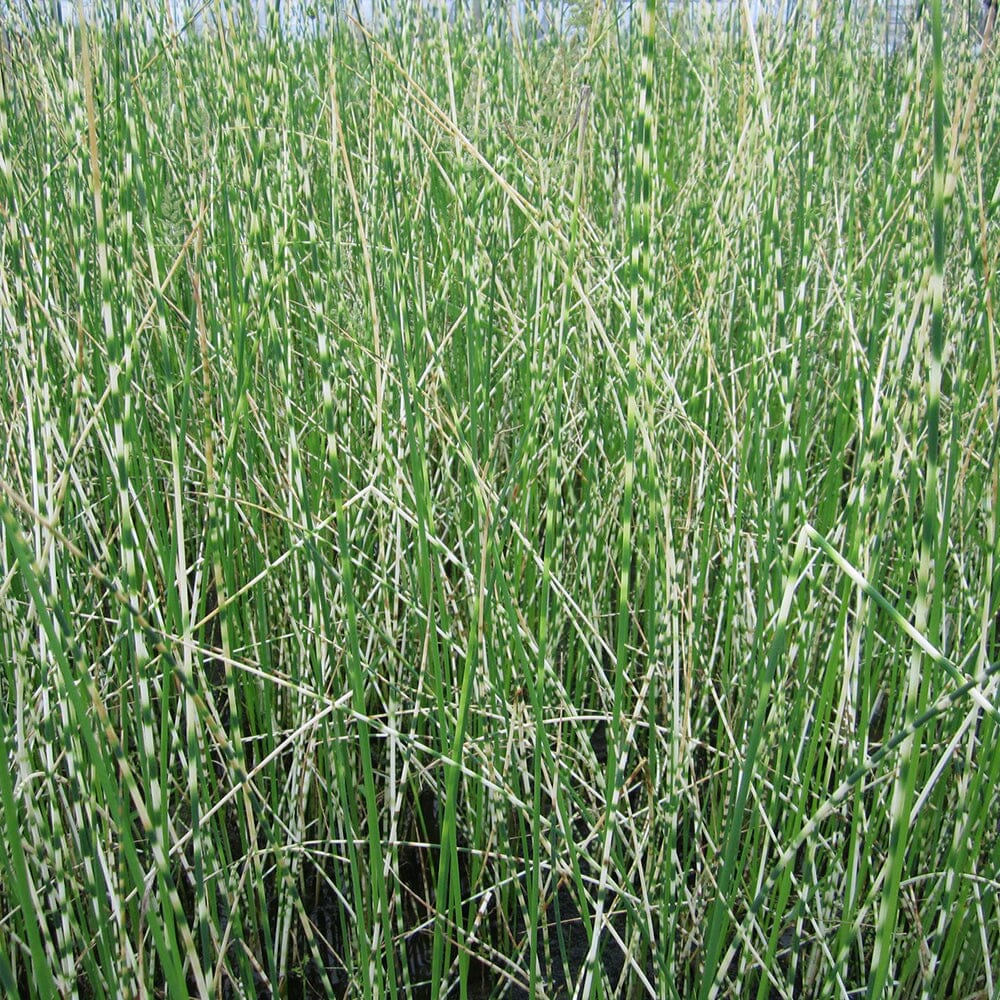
(490, 512)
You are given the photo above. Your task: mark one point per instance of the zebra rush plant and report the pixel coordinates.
(488, 513)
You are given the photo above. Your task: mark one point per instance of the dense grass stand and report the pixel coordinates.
(490, 510)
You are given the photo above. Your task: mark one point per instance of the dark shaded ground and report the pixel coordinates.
(561, 961)
(563, 941)
(571, 945)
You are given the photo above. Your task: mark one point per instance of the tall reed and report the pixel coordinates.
(485, 509)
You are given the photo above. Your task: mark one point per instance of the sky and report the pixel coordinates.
(292, 9)
(365, 6)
